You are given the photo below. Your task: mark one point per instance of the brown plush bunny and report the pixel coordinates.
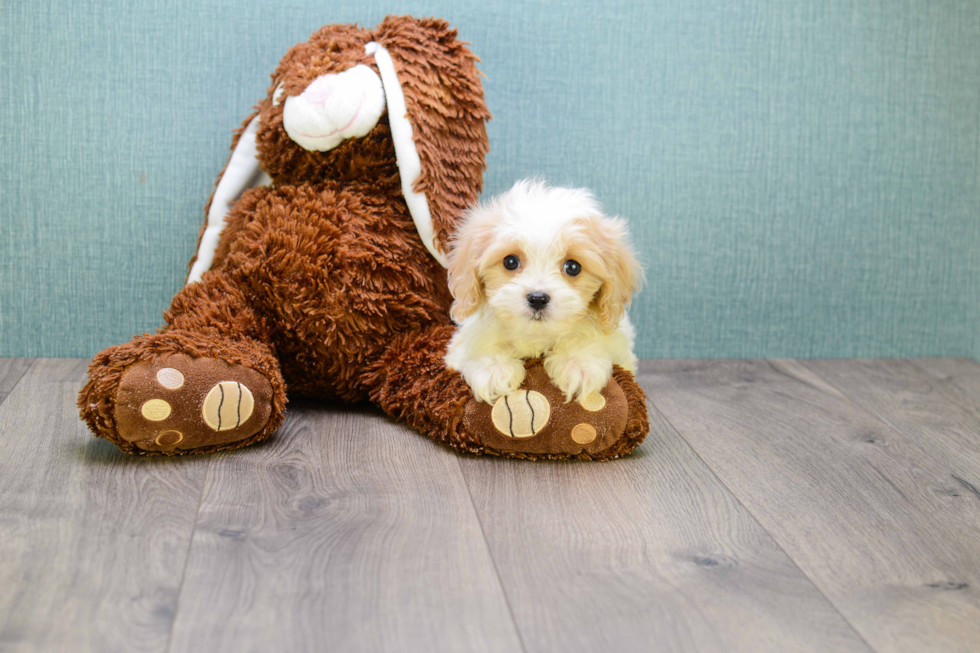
(320, 269)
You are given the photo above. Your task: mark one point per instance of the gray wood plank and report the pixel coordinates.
(859, 508)
(649, 552)
(92, 541)
(11, 369)
(914, 403)
(345, 532)
(959, 379)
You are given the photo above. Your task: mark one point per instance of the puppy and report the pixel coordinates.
(541, 271)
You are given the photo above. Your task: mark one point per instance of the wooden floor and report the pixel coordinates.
(776, 506)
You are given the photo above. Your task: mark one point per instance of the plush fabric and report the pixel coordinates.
(320, 284)
(406, 152)
(574, 431)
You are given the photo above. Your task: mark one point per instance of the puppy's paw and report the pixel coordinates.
(578, 376)
(491, 378)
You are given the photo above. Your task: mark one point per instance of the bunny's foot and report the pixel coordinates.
(536, 422)
(173, 393)
(413, 383)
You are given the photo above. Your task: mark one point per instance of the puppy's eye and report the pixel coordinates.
(572, 268)
(512, 262)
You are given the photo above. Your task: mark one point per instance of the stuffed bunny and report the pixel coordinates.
(321, 269)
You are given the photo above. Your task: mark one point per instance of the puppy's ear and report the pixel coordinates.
(444, 104)
(241, 173)
(468, 246)
(624, 275)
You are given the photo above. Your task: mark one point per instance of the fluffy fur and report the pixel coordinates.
(583, 329)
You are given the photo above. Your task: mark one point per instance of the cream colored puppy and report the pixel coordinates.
(541, 271)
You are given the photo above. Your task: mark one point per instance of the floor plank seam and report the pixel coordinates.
(830, 602)
(27, 369)
(493, 561)
(187, 558)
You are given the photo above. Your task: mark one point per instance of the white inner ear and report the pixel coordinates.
(241, 173)
(406, 154)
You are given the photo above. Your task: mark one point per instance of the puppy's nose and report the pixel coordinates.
(538, 300)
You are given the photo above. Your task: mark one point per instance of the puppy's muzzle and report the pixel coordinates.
(538, 300)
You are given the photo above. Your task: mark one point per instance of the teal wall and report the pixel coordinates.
(803, 178)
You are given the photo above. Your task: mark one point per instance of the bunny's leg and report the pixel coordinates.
(207, 381)
(412, 383)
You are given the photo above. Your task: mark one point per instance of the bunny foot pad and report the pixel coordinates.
(536, 421)
(179, 402)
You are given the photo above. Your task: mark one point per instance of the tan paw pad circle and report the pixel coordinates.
(521, 414)
(594, 402)
(170, 378)
(583, 434)
(169, 438)
(228, 405)
(156, 410)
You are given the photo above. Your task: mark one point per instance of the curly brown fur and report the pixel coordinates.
(443, 96)
(451, 116)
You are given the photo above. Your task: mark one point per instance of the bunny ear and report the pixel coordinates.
(407, 155)
(437, 117)
(241, 173)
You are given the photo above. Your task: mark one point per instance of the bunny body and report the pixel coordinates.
(319, 271)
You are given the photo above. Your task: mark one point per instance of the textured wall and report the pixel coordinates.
(803, 177)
